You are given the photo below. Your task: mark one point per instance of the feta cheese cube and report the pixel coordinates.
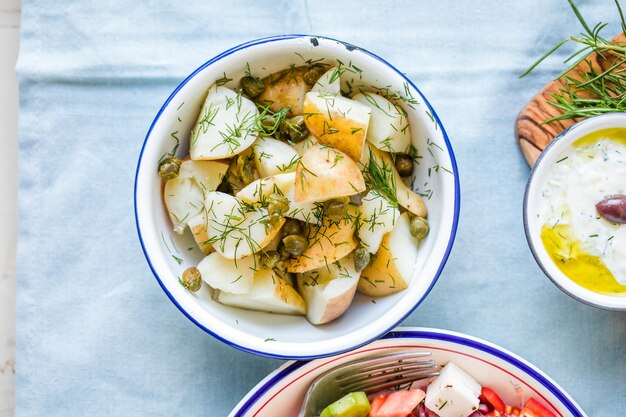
(453, 393)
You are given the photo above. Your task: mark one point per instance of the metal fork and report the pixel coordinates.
(369, 374)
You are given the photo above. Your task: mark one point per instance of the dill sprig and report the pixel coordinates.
(380, 178)
(593, 91)
(269, 121)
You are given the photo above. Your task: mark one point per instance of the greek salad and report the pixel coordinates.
(453, 393)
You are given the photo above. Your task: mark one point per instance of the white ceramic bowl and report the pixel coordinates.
(532, 225)
(282, 392)
(277, 335)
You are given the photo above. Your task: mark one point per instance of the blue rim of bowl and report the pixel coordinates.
(350, 47)
(529, 239)
(435, 334)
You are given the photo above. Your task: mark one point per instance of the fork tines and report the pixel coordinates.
(386, 372)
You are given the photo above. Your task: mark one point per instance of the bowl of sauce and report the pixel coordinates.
(575, 211)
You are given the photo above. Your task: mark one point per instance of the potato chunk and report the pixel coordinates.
(324, 173)
(329, 82)
(285, 89)
(269, 292)
(328, 243)
(183, 195)
(237, 230)
(329, 290)
(273, 157)
(226, 125)
(393, 267)
(337, 121)
(233, 276)
(378, 217)
(389, 127)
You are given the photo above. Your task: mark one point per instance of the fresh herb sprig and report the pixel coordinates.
(593, 91)
(269, 121)
(379, 177)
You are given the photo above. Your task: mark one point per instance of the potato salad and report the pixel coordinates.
(296, 193)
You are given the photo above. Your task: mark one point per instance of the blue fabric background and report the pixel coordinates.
(96, 335)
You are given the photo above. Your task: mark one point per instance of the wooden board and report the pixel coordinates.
(531, 133)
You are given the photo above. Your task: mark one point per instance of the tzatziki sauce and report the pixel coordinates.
(586, 247)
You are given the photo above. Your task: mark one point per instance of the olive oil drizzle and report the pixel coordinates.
(570, 257)
(616, 134)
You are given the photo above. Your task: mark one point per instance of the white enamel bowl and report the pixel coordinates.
(282, 392)
(532, 225)
(276, 335)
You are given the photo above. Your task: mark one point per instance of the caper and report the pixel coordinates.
(313, 74)
(336, 209)
(283, 253)
(292, 227)
(268, 123)
(169, 167)
(295, 245)
(192, 279)
(252, 86)
(277, 204)
(241, 168)
(280, 135)
(404, 164)
(361, 258)
(419, 227)
(295, 129)
(269, 259)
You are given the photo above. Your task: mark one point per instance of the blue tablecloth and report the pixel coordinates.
(96, 335)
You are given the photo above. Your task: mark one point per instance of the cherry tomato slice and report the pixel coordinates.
(489, 397)
(533, 408)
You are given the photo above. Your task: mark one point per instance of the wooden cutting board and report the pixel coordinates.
(532, 134)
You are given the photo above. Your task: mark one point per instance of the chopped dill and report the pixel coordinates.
(224, 80)
(288, 166)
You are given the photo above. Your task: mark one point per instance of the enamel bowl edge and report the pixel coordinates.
(282, 391)
(530, 206)
(279, 336)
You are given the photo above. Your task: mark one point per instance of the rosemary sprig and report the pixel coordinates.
(593, 91)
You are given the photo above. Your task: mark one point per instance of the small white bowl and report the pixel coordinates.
(277, 335)
(532, 225)
(282, 392)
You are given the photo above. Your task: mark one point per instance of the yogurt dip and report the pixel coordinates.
(590, 250)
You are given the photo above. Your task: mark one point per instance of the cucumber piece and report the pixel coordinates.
(354, 404)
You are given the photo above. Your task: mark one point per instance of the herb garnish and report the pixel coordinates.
(224, 80)
(594, 90)
(379, 176)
